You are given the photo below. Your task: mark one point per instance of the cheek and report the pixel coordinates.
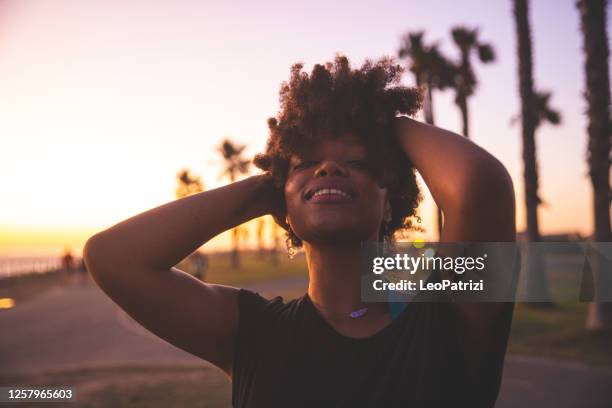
(373, 203)
(372, 194)
(292, 194)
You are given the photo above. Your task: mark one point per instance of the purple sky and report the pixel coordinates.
(102, 102)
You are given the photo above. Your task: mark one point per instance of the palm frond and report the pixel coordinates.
(486, 53)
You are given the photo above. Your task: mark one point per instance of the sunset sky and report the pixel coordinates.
(102, 102)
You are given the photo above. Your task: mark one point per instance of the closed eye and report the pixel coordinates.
(360, 164)
(303, 165)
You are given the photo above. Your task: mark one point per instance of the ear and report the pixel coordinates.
(282, 220)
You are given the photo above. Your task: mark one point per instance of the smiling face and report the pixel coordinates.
(331, 196)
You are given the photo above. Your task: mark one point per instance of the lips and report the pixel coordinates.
(329, 193)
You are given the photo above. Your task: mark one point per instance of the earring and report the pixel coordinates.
(291, 250)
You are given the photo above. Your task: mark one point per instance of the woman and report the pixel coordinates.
(338, 171)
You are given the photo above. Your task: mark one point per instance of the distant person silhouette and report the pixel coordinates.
(67, 260)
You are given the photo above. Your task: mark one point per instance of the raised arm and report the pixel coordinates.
(471, 187)
(475, 194)
(133, 262)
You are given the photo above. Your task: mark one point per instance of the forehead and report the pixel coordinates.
(339, 145)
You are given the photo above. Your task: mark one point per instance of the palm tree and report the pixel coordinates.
(431, 71)
(593, 25)
(234, 165)
(430, 68)
(465, 79)
(536, 282)
(544, 112)
(528, 116)
(187, 184)
(534, 264)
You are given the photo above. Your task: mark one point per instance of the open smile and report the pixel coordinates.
(328, 195)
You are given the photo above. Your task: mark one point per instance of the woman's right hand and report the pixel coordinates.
(272, 199)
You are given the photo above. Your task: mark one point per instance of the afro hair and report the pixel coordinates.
(335, 100)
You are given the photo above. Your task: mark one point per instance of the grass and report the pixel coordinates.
(558, 332)
(253, 267)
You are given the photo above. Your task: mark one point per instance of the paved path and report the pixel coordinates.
(79, 326)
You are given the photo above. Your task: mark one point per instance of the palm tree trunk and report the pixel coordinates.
(593, 25)
(428, 106)
(462, 102)
(536, 285)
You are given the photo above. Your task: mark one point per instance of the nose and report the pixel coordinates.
(330, 168)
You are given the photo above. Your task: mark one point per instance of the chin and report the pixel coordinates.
(330, 233)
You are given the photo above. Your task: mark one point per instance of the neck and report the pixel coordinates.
(335, 279)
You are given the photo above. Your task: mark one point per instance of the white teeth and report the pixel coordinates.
(330, 191)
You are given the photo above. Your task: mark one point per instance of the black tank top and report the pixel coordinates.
(287, 355)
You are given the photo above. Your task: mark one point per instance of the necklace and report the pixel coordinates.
(358, 313)
(353, 315)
